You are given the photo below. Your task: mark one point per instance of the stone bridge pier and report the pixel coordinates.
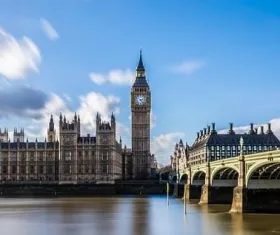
(192, 188)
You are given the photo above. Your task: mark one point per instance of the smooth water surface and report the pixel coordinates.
(126, 216)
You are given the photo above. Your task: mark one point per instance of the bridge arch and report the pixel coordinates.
(164, 175)
(183, 179)
(198, 177)
(225, 176)
(265, 174)
(173, 178)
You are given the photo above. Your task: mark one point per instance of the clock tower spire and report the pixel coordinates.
(140, 123)
(140, 67)
(140, 73)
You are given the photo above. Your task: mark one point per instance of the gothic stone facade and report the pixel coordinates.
(75, 159)
(180, 158)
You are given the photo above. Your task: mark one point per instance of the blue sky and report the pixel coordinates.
(206, 61)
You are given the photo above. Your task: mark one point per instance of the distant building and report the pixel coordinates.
(75, 159)
(210, 145)
(179, 159)
(154, 166)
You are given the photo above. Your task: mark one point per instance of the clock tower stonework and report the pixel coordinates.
(140, 123)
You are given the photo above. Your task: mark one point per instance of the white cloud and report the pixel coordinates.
(18, 57)
(97, 78)
(121, 77)
(54, 106)
(49, 29)
(67, 97)
(89, 105)
(115, 76)
(153, 120)
(188, 67)
(124, 132)
(275, 127)
(94, 102)
(162, 145)
(237, 130)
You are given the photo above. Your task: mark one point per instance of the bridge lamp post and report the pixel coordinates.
(241, 143)
(208, 155)
(241, 164)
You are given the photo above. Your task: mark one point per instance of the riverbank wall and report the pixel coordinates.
(120, 188)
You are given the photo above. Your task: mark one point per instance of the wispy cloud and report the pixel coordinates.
(49, 29)
(162, 145)
(17, 57)
(275, 127)
(115, 76)
(188, 66)
(36, 108)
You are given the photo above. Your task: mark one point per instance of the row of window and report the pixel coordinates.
(197, 162)
(140, 89)
(29, 179)
(228, 154)
(30, 169)
(234, 151)
(14, 159)
(247, 150)
(228, 148)
(221, 154)
(104, 156)
(68, 169)
(50, 169)
(24, 157)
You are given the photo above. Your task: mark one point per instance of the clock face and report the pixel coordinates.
(140, 99)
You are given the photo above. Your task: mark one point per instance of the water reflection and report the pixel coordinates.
(126, 216)
(140, 213)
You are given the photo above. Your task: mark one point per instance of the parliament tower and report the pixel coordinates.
(140, 123)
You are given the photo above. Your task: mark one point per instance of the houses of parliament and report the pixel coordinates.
(68, 157)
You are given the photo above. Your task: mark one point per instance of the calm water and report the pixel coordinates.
(126, 216)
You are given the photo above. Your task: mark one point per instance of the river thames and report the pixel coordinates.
(126, 216)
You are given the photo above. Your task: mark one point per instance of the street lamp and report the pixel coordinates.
(241, 142)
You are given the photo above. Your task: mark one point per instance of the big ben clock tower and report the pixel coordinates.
(140, 121)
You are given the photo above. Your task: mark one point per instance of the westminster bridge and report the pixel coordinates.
(251, 183)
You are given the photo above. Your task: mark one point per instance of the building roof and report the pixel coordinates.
(140, 66)
(252, 138)
(141, 80)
